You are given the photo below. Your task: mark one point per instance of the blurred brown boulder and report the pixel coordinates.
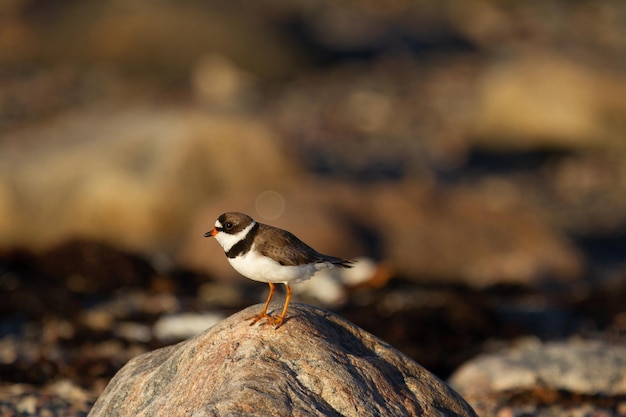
(546, 101)
(131, 176)
(154, 40)
(465, 235)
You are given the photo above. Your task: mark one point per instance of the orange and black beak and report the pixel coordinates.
(211, 233)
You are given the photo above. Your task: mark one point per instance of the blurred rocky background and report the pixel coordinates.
(471, 155)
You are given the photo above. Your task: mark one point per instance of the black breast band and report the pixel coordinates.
(244, 245)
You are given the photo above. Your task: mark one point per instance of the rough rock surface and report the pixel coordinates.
(584, 367)
(581, 372)
(317, 363)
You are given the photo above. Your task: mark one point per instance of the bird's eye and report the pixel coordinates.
(228, 225)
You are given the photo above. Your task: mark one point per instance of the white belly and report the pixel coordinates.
(264, 269)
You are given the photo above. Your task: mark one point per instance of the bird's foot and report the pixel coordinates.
(258, 317)
(275, 321)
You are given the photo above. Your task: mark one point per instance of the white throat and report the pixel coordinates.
(227, 241)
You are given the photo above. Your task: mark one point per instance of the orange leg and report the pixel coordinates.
(263, 314)
(278, 321)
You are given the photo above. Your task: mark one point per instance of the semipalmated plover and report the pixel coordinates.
(269, 254)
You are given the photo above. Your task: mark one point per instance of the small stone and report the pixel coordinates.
(27, 405)
(69, 391)
(183, 326)
(134, 332)
(505, 412)
(46, 413)
(98, 319)
(218, 294)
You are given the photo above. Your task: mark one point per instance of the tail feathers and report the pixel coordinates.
(343, 263)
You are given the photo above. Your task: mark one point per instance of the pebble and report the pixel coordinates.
(27, 405)
(134, 332)
(184, 325)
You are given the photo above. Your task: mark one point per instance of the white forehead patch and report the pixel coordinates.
(218, 224)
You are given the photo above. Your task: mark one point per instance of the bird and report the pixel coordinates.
(268, 254)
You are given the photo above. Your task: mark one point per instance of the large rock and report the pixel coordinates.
(317, 364)
(539, 372)
(587, 367)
